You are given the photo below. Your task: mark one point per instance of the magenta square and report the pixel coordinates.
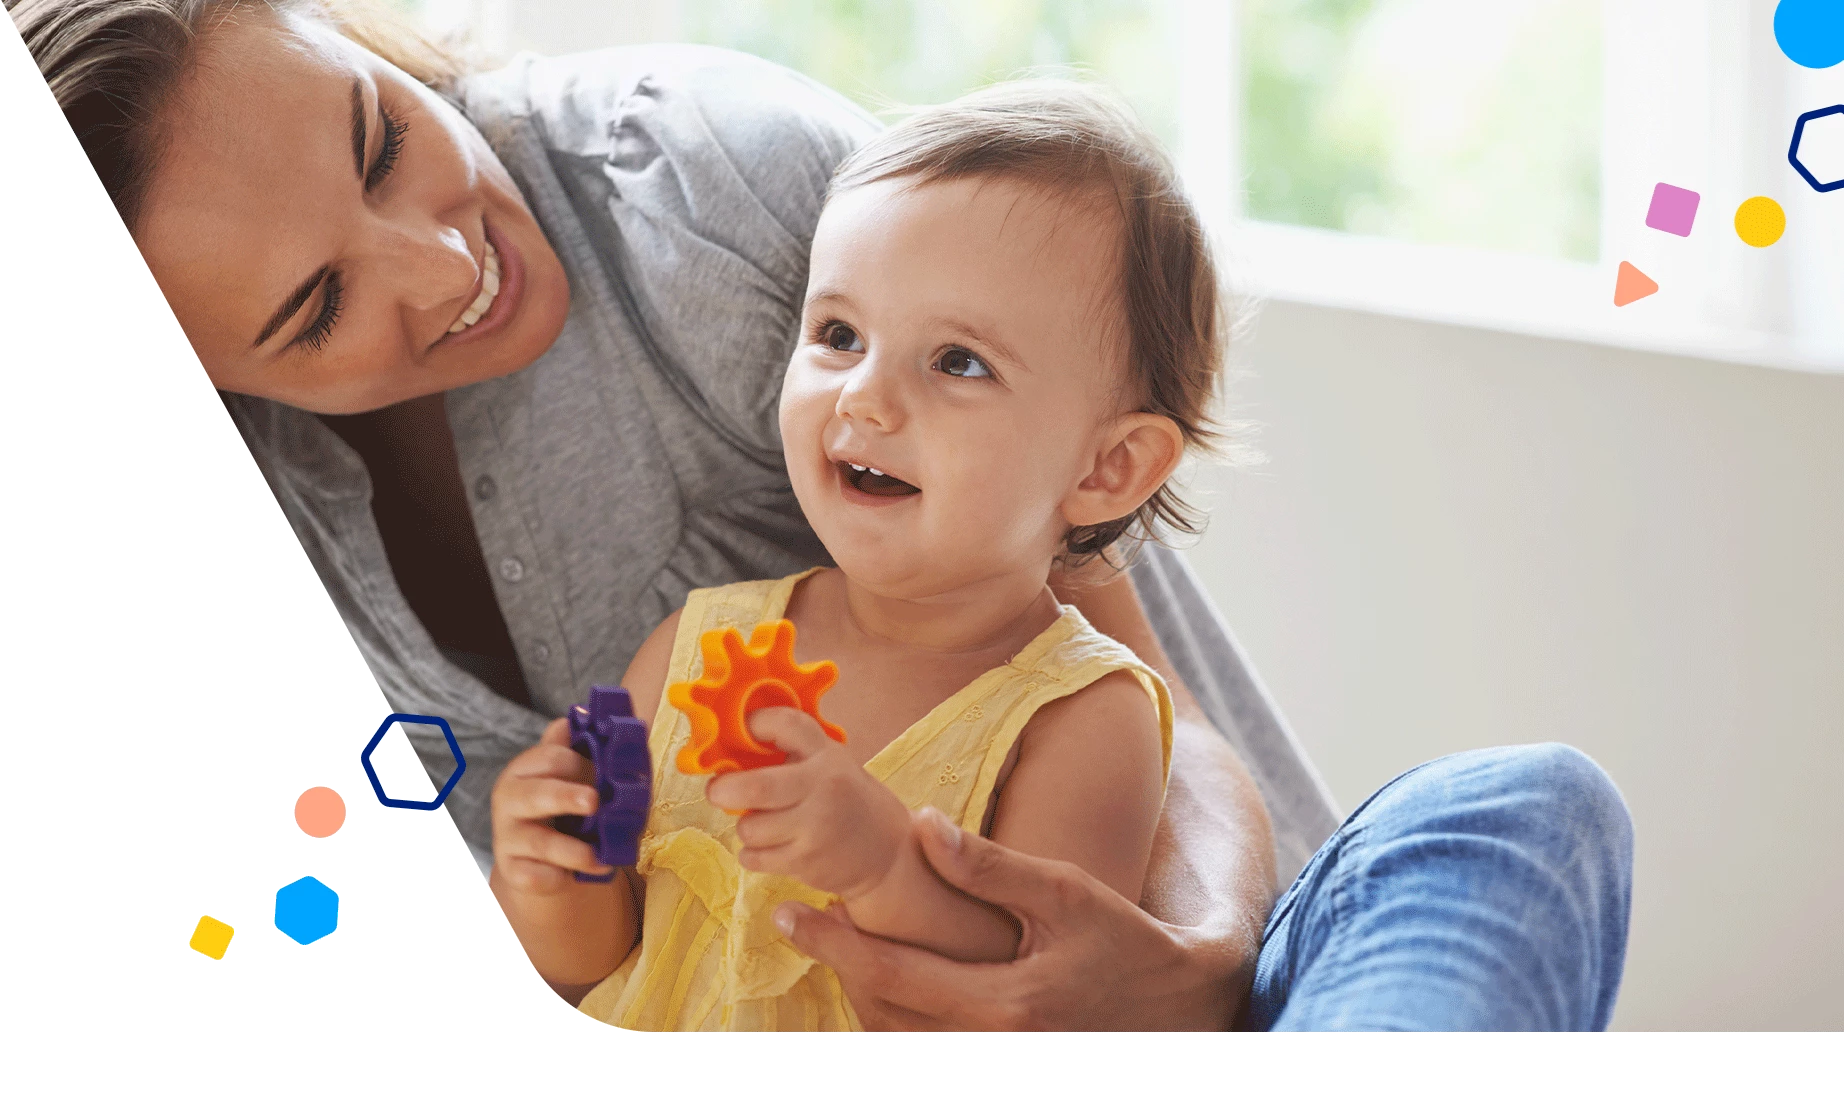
(1673, 210)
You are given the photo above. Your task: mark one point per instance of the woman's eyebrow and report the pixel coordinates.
(358, 128)
(291, 306)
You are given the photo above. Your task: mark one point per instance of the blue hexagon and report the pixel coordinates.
(306, 910)
(453, 747)
(1831, 175)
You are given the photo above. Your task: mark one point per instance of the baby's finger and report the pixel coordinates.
(528, 875)
(532, 842)
(774, 859)
(557, 732)
(791, 731)
(767, 829)
(537, 799)
(544, 761)
(771, 788)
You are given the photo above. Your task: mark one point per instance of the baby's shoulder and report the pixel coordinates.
(1115, 709)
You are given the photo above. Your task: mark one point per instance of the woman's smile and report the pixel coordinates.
(501, 286)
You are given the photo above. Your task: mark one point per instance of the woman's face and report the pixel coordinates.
(327, 230)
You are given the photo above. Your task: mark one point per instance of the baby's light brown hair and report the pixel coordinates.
(1078, 141)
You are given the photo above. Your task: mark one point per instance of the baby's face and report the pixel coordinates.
(956, 340)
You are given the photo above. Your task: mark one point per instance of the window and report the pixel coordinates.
(1484, 163)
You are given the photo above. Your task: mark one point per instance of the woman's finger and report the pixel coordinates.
(903, 986)
(793, 732)
(774, 788)
(1040, 893)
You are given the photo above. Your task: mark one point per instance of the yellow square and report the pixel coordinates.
(211, 938)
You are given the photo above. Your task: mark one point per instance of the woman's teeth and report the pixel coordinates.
(489, 289)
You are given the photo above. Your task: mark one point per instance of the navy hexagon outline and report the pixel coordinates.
(1792, 153)
(453, 747)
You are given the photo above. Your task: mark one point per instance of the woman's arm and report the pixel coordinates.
(1090, 958)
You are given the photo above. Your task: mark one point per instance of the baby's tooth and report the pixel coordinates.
(875, 471)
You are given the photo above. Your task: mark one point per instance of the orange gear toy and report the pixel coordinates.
(737, 682)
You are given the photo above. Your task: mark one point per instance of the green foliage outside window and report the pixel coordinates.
(1436, 121)
(1469, 122)
(887, 52)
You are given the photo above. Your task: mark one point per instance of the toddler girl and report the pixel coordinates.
(1011, 334)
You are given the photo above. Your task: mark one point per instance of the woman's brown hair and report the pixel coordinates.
(1080, 142)
(113, 64)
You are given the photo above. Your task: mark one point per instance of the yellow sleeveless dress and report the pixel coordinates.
(709, 957)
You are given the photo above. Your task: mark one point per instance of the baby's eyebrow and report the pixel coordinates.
(984, 339)
(829, 294)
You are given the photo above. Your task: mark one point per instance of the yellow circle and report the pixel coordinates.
(1760, 221)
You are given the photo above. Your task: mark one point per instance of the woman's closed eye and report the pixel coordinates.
(389, 151)
(333, 300)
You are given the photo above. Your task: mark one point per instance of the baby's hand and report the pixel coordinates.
(819, 817)
(549, 779)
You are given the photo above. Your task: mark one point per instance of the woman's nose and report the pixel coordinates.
(434, 264)
(871, 395)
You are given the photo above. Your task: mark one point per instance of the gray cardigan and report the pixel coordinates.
(640, 456)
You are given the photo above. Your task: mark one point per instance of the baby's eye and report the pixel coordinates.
(841, 337)
(962, 363)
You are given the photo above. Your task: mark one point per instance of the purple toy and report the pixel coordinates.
(607, 732)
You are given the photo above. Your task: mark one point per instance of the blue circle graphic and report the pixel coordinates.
(1811, 32)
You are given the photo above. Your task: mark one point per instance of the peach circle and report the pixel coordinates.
(320, 812)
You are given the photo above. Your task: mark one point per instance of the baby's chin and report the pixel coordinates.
(901, 572)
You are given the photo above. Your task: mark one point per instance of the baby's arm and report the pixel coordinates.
(575, 933)
(1086, 789)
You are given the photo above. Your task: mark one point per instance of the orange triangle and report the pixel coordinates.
(1632, 285)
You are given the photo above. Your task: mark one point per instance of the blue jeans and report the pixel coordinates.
(1487, 890)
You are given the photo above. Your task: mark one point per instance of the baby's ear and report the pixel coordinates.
(1137, 454)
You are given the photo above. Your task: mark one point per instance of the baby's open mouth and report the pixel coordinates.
(876, 483)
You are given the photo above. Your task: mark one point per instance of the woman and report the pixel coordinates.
(509, 356)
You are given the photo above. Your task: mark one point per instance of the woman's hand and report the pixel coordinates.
(819, 817)
(530, 855)
(1088, 958)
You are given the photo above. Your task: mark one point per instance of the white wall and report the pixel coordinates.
(1465, 538)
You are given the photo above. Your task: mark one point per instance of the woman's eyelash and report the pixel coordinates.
(394, 131)
(316, 334)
